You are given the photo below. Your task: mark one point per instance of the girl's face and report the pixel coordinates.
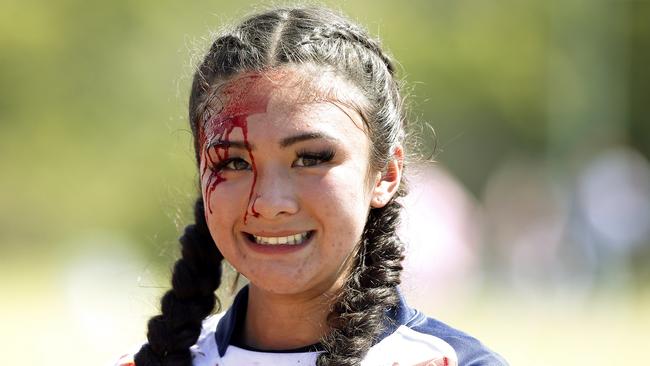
(286, 181)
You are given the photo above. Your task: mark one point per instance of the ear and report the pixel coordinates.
(387, 182)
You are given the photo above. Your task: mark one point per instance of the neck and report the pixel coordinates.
(281, 322)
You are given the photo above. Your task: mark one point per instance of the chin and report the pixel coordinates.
(288, 285)
(278, 287)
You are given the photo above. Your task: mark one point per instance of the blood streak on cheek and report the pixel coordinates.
(244, 97)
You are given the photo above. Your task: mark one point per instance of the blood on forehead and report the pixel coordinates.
(241, 98)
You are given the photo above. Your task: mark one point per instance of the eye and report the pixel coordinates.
(313, 158)
(235, 164)
(307, 160)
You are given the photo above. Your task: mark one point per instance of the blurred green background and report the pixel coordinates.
(531, 230)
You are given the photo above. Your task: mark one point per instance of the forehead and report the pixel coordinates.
(303, 89)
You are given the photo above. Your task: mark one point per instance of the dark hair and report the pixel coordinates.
(296, 36)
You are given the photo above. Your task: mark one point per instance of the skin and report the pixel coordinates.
(276, 184)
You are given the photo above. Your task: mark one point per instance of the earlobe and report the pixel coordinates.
(388, 181)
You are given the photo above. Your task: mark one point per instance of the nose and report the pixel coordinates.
(272, 195)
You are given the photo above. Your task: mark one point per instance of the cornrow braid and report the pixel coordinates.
(350, 33)
(196, 276)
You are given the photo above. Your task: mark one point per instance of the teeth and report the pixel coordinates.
(282, 240)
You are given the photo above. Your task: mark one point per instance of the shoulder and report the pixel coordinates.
(411, 330)
(206, 346)
(469, 350)
(404, 346)
(203, 350)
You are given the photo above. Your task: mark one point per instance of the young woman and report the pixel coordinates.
(298, 127)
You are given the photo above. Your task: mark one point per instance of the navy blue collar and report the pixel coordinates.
(401, 315)
(232, 317)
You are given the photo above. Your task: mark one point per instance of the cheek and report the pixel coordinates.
(341, 196)
(230, 193)
(352, 183)
(342, 210)
(227, 203)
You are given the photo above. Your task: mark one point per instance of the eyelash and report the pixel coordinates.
(223, 164)
(321, 157)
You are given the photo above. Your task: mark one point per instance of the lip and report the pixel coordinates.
(277, 248)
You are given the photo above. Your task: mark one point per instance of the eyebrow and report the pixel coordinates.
(224, 144)
(285, 142)
(288, 141)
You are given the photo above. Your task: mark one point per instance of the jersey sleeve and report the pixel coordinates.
(470, 351)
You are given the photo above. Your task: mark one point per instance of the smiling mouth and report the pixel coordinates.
(295, 239)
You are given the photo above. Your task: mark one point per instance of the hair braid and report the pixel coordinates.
(350, 33)
(196, 276)
(359, 315)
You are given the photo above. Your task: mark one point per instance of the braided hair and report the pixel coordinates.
(295, 36)
(196, 277)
